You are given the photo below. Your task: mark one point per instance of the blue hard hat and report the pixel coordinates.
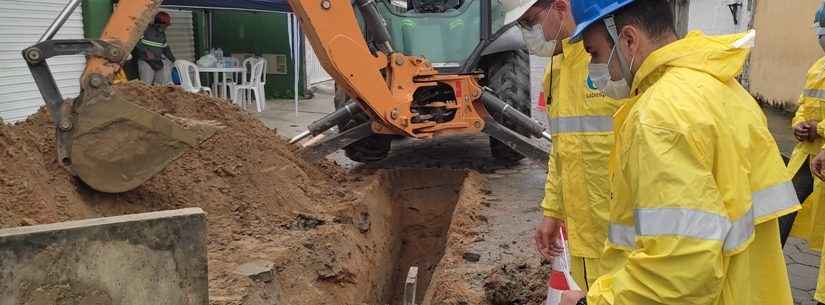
(586, 12)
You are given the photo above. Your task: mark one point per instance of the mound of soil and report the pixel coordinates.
(262, 201)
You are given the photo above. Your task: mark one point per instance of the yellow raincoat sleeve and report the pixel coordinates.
(673, 188)
(552, 203)
(808, 111)
(552, 192)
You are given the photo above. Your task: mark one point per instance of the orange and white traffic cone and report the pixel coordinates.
(560, 279)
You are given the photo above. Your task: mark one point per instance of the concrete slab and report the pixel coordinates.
(154, 258)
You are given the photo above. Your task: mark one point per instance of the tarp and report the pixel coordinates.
(249, 5)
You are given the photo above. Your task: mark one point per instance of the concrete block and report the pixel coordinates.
(153, 258)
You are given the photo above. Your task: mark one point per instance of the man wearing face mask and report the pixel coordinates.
(577, 189)
(809, 130)
(697, 181)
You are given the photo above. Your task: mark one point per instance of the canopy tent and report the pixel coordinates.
(293, 26)
(244, 5)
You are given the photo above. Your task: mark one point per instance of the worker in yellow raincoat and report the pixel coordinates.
(810, 222)
(697, 179)
(581, 122)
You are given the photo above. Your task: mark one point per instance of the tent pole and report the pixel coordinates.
(296, 32)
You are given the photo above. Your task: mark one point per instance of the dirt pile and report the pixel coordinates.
(522, 283)
(262, 201)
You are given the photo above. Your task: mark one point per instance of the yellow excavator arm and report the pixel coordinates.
(114, 145)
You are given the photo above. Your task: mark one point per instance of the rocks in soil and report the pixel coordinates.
(363, 222)
(307, 222)
(259, 271)
(471, 257)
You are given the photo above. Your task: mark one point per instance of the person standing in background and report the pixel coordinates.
(809, 131)
(153, 54)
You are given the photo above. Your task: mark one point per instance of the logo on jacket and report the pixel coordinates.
(590, 83)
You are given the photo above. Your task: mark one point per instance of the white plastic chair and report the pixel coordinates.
(246, 75)
(190, 77)
(263, 77)
(229, 81)
(241, 96)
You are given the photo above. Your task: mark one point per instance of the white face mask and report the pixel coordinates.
(600, 76)
(536, 44)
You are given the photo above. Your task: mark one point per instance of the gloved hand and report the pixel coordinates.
(805, 131)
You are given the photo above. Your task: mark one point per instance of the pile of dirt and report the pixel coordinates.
(521, 283)
(262, 202)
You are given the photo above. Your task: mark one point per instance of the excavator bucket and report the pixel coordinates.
(118, 145)
(104, 136)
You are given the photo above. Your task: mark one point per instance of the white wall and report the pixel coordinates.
(21, 24)
(714, 16)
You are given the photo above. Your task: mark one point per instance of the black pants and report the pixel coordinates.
(803, 182)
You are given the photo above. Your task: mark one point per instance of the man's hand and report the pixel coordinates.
(547, 236)
(805, 131)
(818, 165)
(571, 297)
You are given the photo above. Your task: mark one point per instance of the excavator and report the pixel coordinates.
(113, 145)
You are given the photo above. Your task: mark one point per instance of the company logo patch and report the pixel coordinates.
(590, 83)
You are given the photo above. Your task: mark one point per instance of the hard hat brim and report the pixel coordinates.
(583, 26)
(517, 12)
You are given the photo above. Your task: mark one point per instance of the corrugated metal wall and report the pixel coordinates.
(315, 72)
(180, 35)
(21, 24)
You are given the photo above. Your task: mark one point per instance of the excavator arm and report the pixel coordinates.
(114, 145)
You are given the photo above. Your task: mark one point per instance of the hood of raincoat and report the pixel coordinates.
(723, 57)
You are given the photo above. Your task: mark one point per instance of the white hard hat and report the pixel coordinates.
(515, 8)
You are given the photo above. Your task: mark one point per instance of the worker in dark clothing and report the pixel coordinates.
(154, 56)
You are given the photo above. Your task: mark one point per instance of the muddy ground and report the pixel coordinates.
(264, 204)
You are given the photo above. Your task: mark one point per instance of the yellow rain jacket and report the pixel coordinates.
(810, 223)
(581, 122)
(697, 183)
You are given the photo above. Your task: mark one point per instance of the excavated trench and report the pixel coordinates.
(412, 216)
